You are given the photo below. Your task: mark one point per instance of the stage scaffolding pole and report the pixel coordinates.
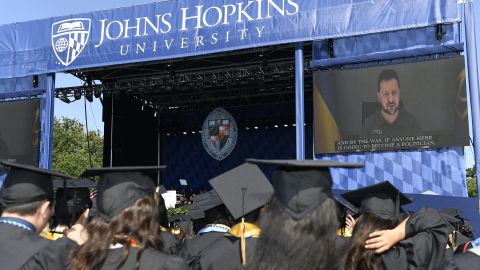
(472, 65)
(111, 135)
(46, 157)
(299, 102)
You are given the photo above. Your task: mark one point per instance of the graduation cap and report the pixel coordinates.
(195, 212)
(243, 189)
(26, 184)
(382, 199)
(302, 185)
(120, 187)
(207, 200)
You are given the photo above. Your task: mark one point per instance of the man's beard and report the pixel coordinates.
(390, 111)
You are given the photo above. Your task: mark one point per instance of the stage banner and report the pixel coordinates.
(421, 105)
(170, 29)
(20, 131)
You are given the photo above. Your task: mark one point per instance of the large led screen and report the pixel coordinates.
(388, 107)
(20, 131)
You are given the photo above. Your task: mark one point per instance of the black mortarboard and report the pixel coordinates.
(120, 187)
(207, 200)
(74, 183)
(195, 212)
(26, 184)
(243, 189)
(302, 185)
(382, 199)
(345, 207)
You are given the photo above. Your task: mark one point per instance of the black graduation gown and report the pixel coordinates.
(150, 260)
(225, 253)
(426, 236)
(192, 247)
(54, 256)
(17, 245)
(170, 242)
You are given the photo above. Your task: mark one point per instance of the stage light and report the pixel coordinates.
(193, 132)
(168, 134)
(35, 81)
(255, 127)
(285, 125)
(97, 93)
(184, 133)
(276, 126)
(77, 95)
(294, 125)
(247, 128)
(330, 48)
(89, 95)
(64, 98)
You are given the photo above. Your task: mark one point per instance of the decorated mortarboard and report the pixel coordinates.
(382, 199)
(26, 184)
(243, 189)
(302, 185)
(120, 187)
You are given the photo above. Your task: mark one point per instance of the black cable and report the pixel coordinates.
(86, 127)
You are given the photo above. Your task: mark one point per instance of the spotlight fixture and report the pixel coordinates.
(64, 98)
(89, 95)
(35, 81)
(77, 94)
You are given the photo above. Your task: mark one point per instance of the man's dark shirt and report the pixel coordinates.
(376, 126)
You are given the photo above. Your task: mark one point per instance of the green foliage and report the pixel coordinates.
(181, 210)
(472, 182)
(70, 150)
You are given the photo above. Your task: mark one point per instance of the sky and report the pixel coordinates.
(26, 10)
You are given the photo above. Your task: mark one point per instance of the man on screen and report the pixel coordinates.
(391, 120)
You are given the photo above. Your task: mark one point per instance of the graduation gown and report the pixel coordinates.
(426, 236)
(225, 252)
(17, 245)
(54, 256)
(170, 243)
(150, 260)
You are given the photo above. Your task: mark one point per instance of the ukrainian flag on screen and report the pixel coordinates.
(325, 126)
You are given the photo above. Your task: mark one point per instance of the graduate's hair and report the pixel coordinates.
(356, 256)
(286, 243)
(70, 203)
(138, 223)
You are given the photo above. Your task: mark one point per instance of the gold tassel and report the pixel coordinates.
(243, 244)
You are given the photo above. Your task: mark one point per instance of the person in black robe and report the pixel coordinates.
(26, 198)
(244, 190)
(125, 234)
(209, 207)
(300, 222)
(383, 238)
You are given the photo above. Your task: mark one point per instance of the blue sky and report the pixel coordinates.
(26, 10)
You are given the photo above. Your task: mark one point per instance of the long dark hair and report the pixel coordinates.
(139, 222)
(356, 256)
(286, 243)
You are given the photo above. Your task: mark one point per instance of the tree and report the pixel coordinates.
(70, 148)
(472, 182)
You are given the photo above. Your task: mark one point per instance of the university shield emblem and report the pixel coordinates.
(69, 37)
(219, 134)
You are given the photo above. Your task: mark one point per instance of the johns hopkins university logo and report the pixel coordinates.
(219, 133)
(69, 38)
